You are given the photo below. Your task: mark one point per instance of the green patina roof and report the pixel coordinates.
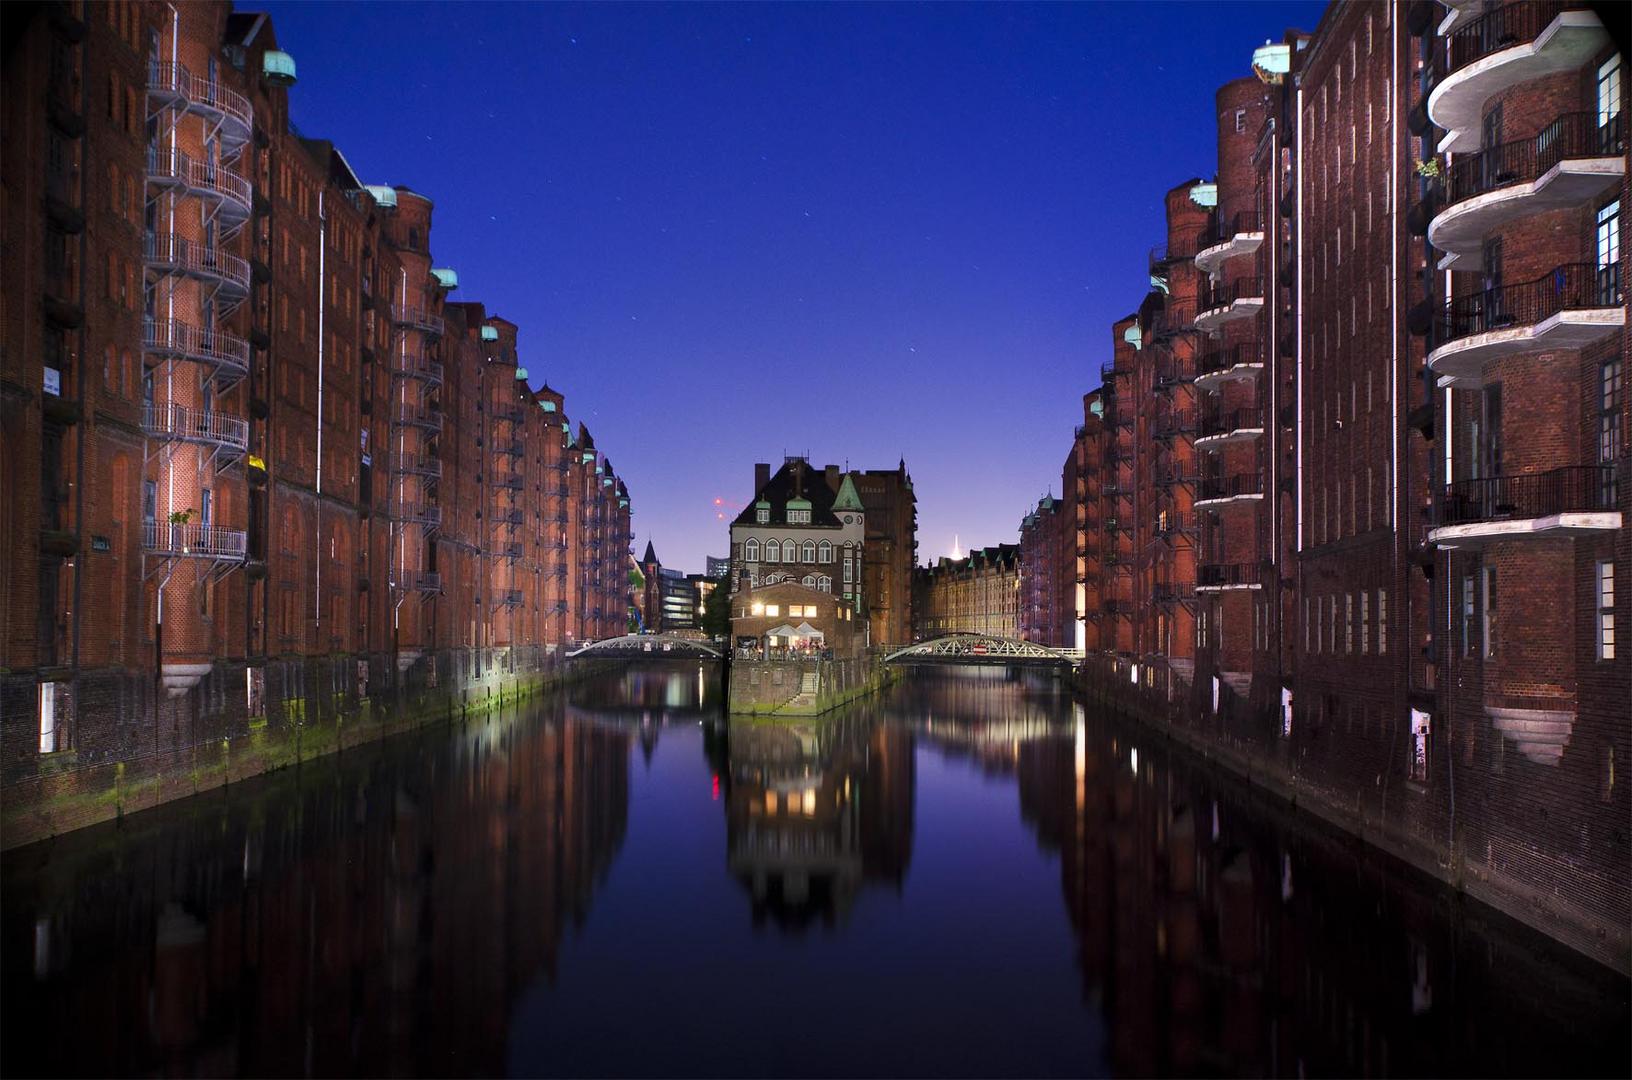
(1204, 194)
(847, 499)
(1134, 336)
(490, 333)
(798, 504)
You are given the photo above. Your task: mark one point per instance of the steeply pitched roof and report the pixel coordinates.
(650, 557)
(798, 483)
(847, 499)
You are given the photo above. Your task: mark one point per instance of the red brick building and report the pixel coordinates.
(255, 462)
(1359, 512)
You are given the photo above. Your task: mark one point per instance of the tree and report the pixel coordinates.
(717, 610)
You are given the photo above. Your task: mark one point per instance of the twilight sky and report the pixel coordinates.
(733, 232)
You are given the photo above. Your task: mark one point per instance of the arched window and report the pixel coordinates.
(809, 581)
(826, 555)
(824, 583)
(790, 551)
(773, 552)
(809, 553)
(750, 551)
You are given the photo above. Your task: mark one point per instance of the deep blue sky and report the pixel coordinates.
(730, 232)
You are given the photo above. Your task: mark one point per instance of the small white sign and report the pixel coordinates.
(53, 381)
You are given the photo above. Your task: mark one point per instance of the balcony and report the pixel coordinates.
(509, 598)
(1233, 426)
(416, 365)
(172, 338)
(175, 87)
(1166, 593)
(508, 481)
(173, 170)
(1576, 500)
(1174, 319)
(507, 517)
(1241, 235)
(1220, 490)
(1228, 577)
(1569, 163)
(1510, 45)
(1180, 247)
(173, 254)
(510, 447)
(407, 415)
(420, 581)
(416, 319)
(1237, 362)
(509, 551)
(1109, 371)
(1168, 377)
(416, 465)
(206, 427)
(194, 541)
(429, 517)
(1570, 308)
(1240, 300)
(1168, 428)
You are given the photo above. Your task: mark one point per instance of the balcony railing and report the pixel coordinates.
(416, 319)
(1109, 371)
(172, 337)
(1221, 230)
(508, 517)
(1235, 420)
(1574, 287)
(1229, 575)
(416, 465)
(194, 541)
(1177, 317)
(511, 481)
(512, 447)
(1215, 297)
(416, 365)
(421, 515)
(1177, 248)
(1504, 27)
(1219, 361)
(1571, 489)
(177, 254)
(425, 581)
(509, 597)
(175, 168)
(406, 415)
(514, 414)
(1230, 487)
(1573, 135)
(510, 551)
(178, 87)
(167, 420)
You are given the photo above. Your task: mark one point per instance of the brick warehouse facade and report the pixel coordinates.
(1351, 514)
(261, 473)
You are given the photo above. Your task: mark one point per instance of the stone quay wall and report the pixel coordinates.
(776, 687)
(138, 747)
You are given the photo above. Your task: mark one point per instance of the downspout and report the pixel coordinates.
(322, 255)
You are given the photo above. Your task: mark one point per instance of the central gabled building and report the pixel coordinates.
(804, 525)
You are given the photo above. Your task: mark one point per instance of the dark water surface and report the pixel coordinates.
(969, 876)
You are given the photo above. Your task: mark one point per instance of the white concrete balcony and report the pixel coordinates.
(1241, 300)
(1572, 307)
(1570, 163)
(1223, 490)
(1512, 44)
(176, 171)
(169, 422)
(174, 339)
(1539, 734)
(171, 253)
(1241, 235)
(1237, 425)
(1576, 500)
(1234, 364)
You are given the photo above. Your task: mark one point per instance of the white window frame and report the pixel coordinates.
(773, 551)
(824, 552)
(1609, 90)
(807, 552)
(790, 551)
(1604, 634)
(750, 550)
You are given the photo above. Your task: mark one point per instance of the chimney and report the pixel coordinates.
(831, 474)
(762, 476)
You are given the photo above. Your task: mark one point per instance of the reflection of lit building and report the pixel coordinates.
(816, 809)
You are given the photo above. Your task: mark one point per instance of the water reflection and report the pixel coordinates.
(977, 878)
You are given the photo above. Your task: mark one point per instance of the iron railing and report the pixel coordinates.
(1572, 287)
(1222, 295)
(510, 597)
(512, 481)
(416, 464)
(194, 540)
(165, 419)
(1229, 487)
(172, 166)
(172, 337)
(1573, 135)
(1219, 575)
(1221, 230)
(426, 581)
(1177, 317)
(416, 319)
(169, 251)
(175, 83)
(1506, 26)
(407, 415)
(1570, 489)
(1248, 352)
(416, 365)
(1234, 420)
(421, 515)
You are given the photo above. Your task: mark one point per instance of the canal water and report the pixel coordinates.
(970, 875)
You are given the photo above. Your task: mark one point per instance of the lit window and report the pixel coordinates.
(1609, 94)
(773, 610)
(1606, 610)
(1489, 626)
(758, 608)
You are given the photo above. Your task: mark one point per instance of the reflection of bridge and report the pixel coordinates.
(981, 649)
(646, 647)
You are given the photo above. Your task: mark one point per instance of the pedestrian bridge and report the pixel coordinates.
(646, 647)
(982, 649)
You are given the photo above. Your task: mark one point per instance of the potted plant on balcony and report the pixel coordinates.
(178, 520)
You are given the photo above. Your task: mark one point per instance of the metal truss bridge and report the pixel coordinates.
(646, 647)
(981, 649)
